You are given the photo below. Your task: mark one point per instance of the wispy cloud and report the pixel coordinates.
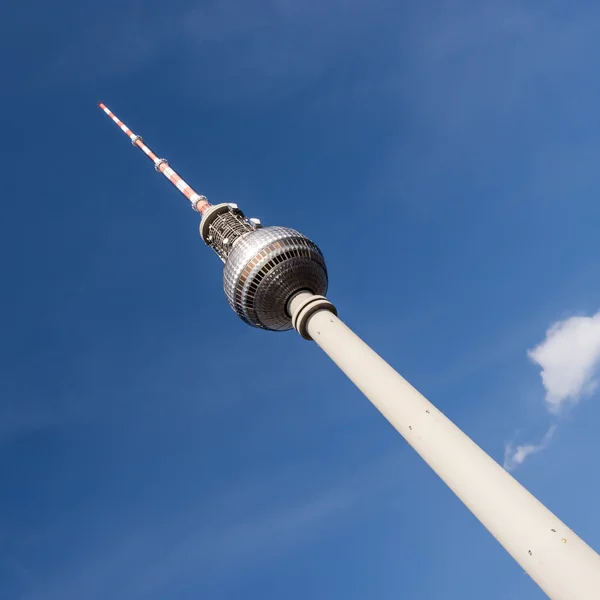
(515, 456)
(239, 52)
(569, 357)
(252, 522)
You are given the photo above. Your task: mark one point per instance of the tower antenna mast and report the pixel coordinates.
(198, 201)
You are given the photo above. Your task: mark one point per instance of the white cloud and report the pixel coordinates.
(569, 358)
(513, 457)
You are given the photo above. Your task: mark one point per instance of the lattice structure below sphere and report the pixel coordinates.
(265, 268)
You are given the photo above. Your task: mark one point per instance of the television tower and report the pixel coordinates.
(275, 278)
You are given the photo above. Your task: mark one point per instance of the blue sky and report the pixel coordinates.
(444, 155)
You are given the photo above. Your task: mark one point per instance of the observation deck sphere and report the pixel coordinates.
(265, 268)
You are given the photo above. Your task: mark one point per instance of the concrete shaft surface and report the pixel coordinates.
(560, 562)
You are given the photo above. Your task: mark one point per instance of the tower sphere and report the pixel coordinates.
(265, 268)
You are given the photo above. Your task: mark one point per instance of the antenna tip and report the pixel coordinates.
(101, 105)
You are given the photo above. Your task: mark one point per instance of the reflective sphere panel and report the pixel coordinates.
(263, 270)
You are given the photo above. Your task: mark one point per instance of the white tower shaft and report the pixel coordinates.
(560, 562)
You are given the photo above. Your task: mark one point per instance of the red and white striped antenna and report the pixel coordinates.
(198, 201)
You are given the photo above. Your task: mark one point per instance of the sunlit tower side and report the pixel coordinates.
(275, 278)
